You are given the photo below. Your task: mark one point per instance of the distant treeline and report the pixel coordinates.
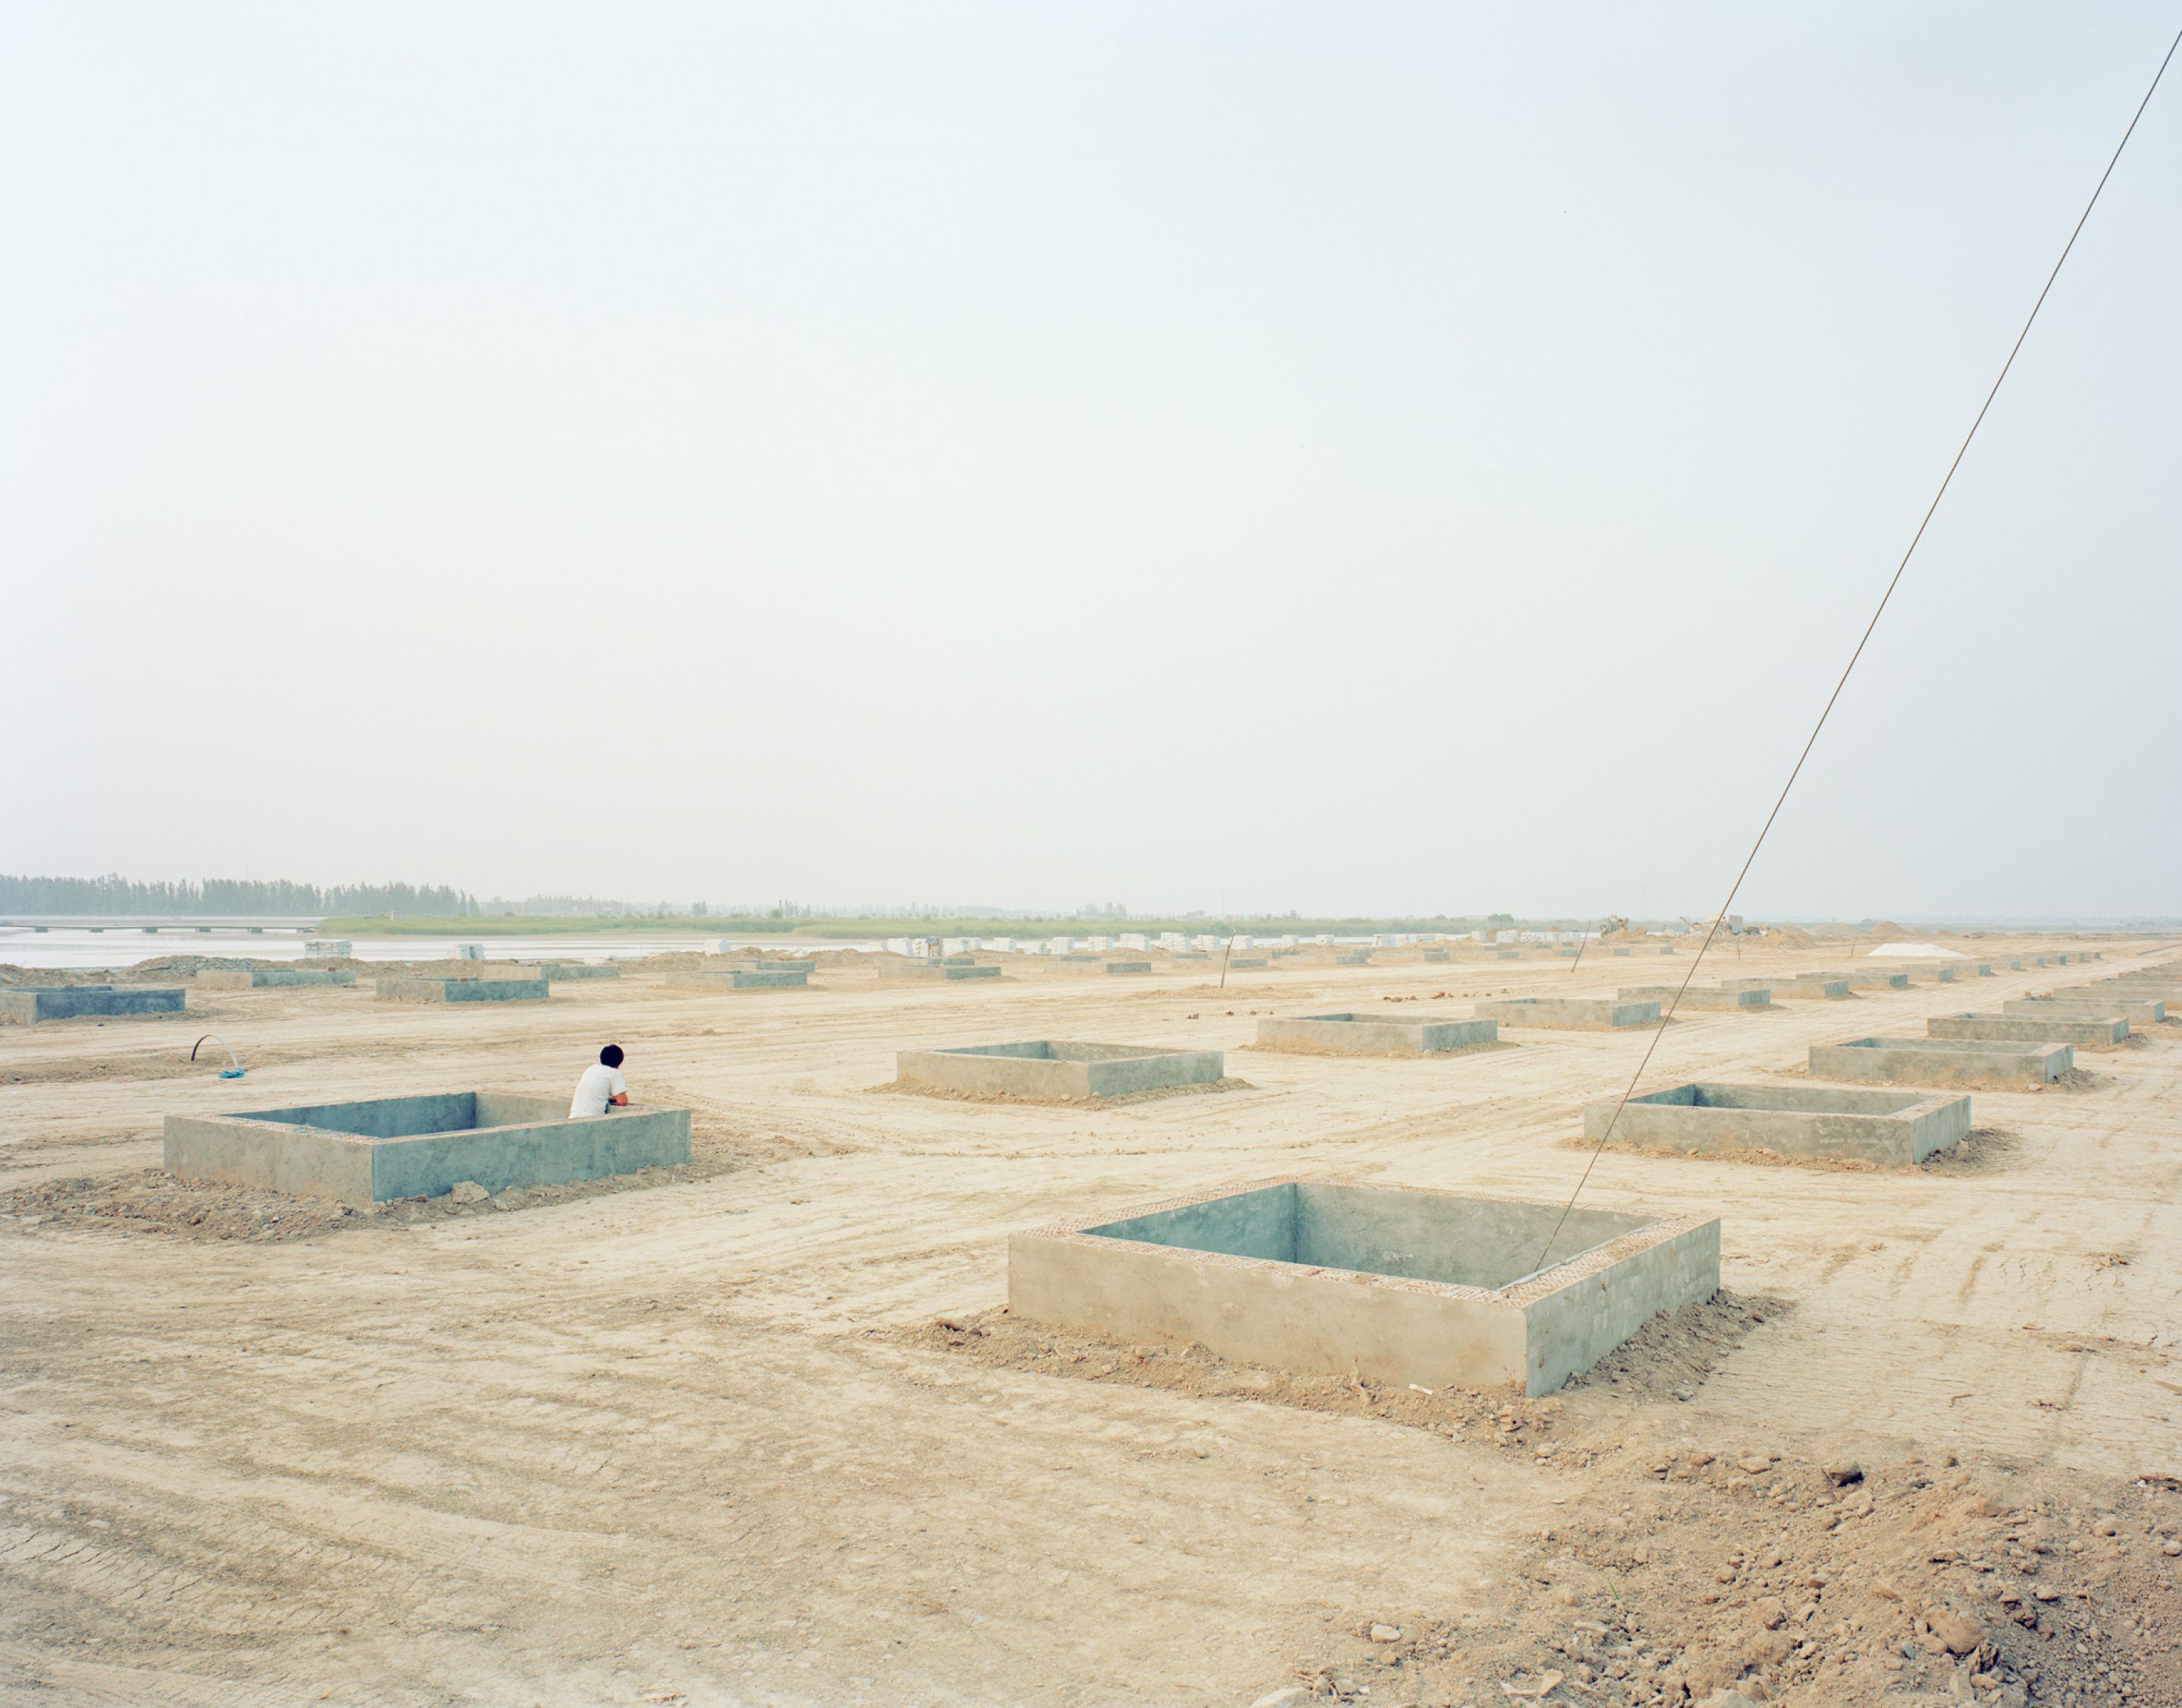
(227, 897)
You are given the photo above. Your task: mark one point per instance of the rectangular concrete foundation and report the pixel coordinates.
(410, 990)
(1878, 982)
(2101, 1034)
(1894, 1129)
(363, 1154)
(563, 971)
(1942, 1062)
(1435, 956)
(261, 978)
(1368, 1035)
(1697, 996)
(935, 971)
(29, 1004)
(1245, 963)
(2143, 990)
(742, 979)
(1397, 1284)
(1569, 1014)
(2138, 1014)
(1798, 989)
(1137, 966)
(1048, 1070)
(1361, 958)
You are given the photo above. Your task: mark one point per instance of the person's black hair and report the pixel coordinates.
(610, 1056)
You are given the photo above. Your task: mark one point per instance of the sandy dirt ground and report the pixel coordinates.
(760, 1431)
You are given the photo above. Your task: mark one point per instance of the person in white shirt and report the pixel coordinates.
(600, 1086)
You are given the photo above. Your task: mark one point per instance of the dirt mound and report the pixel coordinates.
(1686, 1566)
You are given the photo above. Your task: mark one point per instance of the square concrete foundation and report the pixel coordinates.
(261, 978)
(1569, 1014)
(2143, 990)
(30, 1004)
(935, 972)
(363, 1154)
(410, 990)
(1051, 1070)
(1894, 1129)
(1697, 996)
(2093, 1034)
(1398, 1285)
(743, 979)
(1962, 1062)
(1370, 1034)
(1798, 989)
(2140, 1013)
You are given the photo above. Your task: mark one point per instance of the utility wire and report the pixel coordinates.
(1962, 451)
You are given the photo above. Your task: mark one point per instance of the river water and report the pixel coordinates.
(124, 946)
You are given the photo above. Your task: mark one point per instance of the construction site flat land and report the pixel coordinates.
(702, 1440)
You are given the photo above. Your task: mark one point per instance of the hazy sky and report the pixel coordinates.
(1227, 455)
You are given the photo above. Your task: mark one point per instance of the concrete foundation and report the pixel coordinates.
(1398, 1284)
(2101, 1034)
(2140, 1013)
(1697, 996)
(1435, 956)
(1896, 1128)
(1049, 1071)
(363, 1154)
(2143, 990)
(413, 990)
(260, 978)
(742, 979)
(30, 1004)
(1358, 957)
(1372, 1035)
(1801, 988)
(935, 971)
(1961, 1062)
(1245, 963)
(1139, 966)
(562, 971)
(1876, 980)
(1569, 1014)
